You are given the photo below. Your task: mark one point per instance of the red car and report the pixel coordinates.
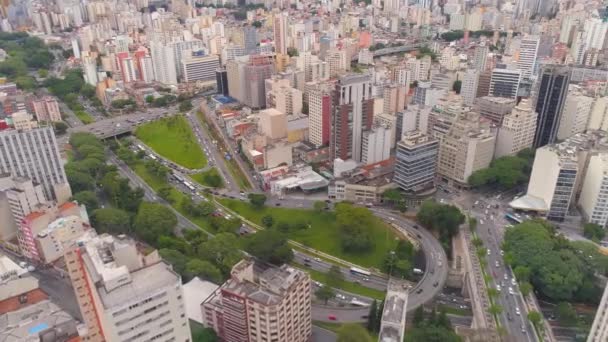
(332, 317)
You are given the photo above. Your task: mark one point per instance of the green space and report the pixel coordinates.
(172, 138)
(202, 334)
(83, 116)
(321, 231)
(431, 327)
(343, 284)
(504, 173)
(24, 53)
(210, 178)
(455, 311)
(357, 333)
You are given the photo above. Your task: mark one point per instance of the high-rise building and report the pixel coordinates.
(494, 108)
(221, 78)
(181, 49)
(599, 328)
(163, 59)
(376, 143)
(394, 98)
(196, 66)
(258, 69)
(319, 113)
(18, 198)
(353, 114)
(483, 84)
(261, 303)
(480, 58)
(34, 154)
(528, 52)
(416, 162)
(125, 293)
(468, 88)
(517, 130)
(594, 191)
(47, 109)
(280, 27)
(505, 82)
(598, 119)
(550, 99)
(466, 148)
(575, 115)
(596, 31)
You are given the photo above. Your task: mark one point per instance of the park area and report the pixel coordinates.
(210, 178)
(320, 230)
(173, 139)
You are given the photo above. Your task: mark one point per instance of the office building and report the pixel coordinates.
(221, 78)
(261, 303)
(494, 108)
(592, 201)
(528, 53)
(575, 114)
(353, 114)
(416, 162)
(517, 130)
(47, 109)
(273, 123)
(196, 66)
(125, 292)
(319, 114)
(550, 100)
(34, 154)
(505, 82)
(18, 198)
(468, 89)
(467, 147)
(483, 84)
(599, 328)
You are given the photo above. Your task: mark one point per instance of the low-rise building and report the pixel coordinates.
(363, 185)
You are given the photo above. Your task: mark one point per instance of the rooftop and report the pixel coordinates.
(43, 321)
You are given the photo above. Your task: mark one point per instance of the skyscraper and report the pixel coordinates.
(550, 98)
(480, 58)
(319, 114)
(163, 59)
(528, 51)
(280, 33)
(353, 114)
(416, 161)
(34, 154)
(505, 82)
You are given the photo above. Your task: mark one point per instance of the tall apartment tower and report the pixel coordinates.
(258, 69)
(261, 303)
(124, 294)
(280, 33)
(18, 198)
(494, 108)
(466, 148)
(353, 114)
(319, 114)
(416, 162)
(528, 51)
(480, 58)
(599, 329)
(594, 191)
(34, 154)
(163, 59)
(517, 130)
(468, 90)
(575, 115)
(505, 82)
(550, 99)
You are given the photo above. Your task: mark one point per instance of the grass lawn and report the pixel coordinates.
(455, 311)
(201, 178)
(85, 117)
(344, 285)
(323, 233)
(173, 139)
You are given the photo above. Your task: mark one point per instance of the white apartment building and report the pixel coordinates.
(528, 51)
(196, 66)
(468, 88)
(163, 59)
(261, 303)
(376, 144)
(18, 198)
(598, 118)
(319, 113)
(286, 99)
(34, 154)
(599, 329)
(517, 130)
(575, 114)
(593, 200)
(124, 294)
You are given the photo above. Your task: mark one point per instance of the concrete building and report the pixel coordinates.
(261, 303)
(354, 106)
(196, 66)
(494, 108)
(163, 60)
(480, 57)
(284, 98)
(257, 70)
(376, 144)
(594, 191)
(273, 123)
(394, 98)
(528, 53)
(392, 324)
(34, 154)
(319, 113)
(416, 162)
(598, 119)
(575, 114)
(468, 89)
(125, 294)
(280, 27)
(599, 328)
(505, 82)
(466, 148)
(47, 109)
(550, 100)
(517, 130)
(18, 198)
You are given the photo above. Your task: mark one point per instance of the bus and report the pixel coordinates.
(358, 271)
(357, 302)
(189, 186)
(153, 157)
(140, 147)
(512, 219)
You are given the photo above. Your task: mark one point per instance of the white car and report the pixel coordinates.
(497, 263)
(517, 312)
(506, 277)
(513, 282)
(510, 290)
(498, 288)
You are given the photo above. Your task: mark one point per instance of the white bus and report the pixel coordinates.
(140, 147)
(358, 271)
(153, 157)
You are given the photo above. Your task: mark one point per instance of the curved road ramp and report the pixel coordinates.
(392, 327)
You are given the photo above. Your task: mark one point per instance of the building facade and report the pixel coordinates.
(517, 130)
(550, 99)
(416, 162)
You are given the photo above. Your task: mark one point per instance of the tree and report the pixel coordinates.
(149, 99)
(165, 193)
(371, 316)
(334, 276)
(525, 288)
(594, 232)
(185, 106)
(353, 333)
(354, 224)
(472, 224)
(566, 314)
(325, 293)
(504, 173)
(379, 316)
(292, 52)
(522, 273)
(495, 309)
(257, 24)
(60, 127)
(445, 219)
(204, 335)
(392, 196)
(535, 318)
(257, 200)
(319, 206)
(203, 269)
(456, 86)
(88, 198)
(269, 246)
(221, 251)
(175, 258)
(305, 108)
(43, 73)
(418, 316)
(111, 220)
(267, 221)
(153, 220)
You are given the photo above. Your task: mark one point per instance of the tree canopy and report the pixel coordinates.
(442, 218)
(354, 224)
(153, 220)
(432, 328)
(111, 220)
(270, 246)
(505, 172)
(353, 332)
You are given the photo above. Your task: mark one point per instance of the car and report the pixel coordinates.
(332, 318)
(497, 263)
(317, 259)
(419, 236)
(502, 253)
(523, 328)
(506, 277)
(419, 291)
(416, 226)
(511, 290)
(278, 204)
(509, 316)
(513, 282)
(365, 316)
(435, 284)
(498, 288)
(517, 312)
(306, 259)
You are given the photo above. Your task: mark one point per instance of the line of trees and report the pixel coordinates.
(431, 328)
(443, 218)
(505, 172)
